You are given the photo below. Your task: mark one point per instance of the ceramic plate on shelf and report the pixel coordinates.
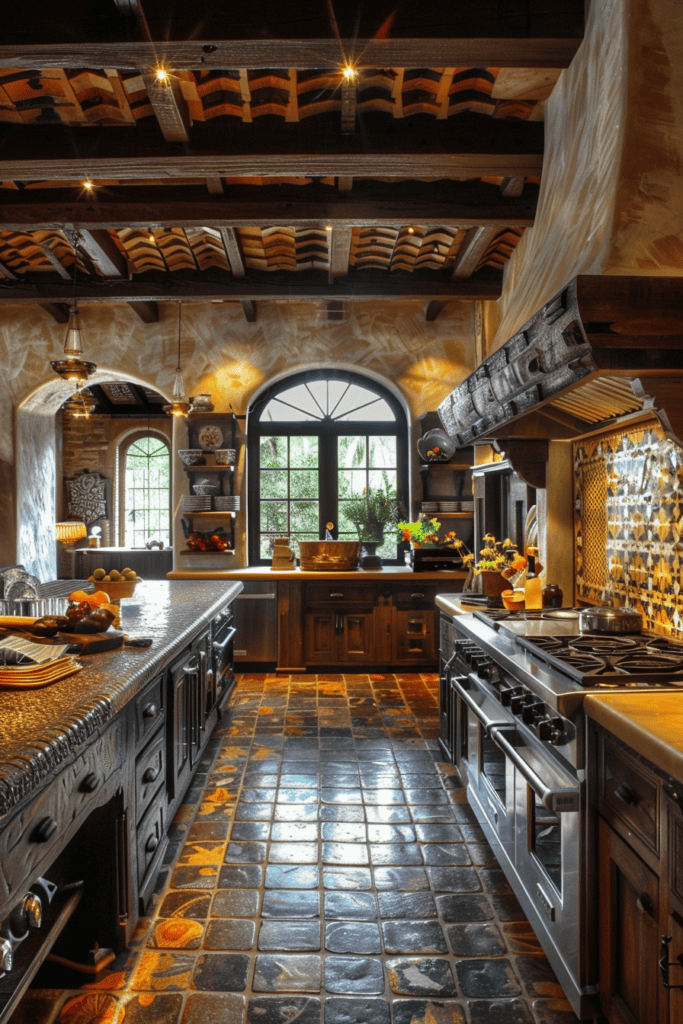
(210, 438)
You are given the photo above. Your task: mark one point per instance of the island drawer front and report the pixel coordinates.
(151, 837)
(41, 829)
(629, 795)
(342, 592)
(416, 596)
(150, 772)
(150, 710)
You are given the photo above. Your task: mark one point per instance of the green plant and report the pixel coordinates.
(493, 553)
(371, 512)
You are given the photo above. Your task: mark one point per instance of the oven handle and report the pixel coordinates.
(559, 801)
(218, 646)
(488, 723)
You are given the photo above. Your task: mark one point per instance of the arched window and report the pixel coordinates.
(316, 440)
(144, 490)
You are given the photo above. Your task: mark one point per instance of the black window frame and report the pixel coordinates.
(327, 431)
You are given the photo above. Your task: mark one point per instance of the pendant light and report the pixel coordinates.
(179, 404)
(73, 367)
(81, 404)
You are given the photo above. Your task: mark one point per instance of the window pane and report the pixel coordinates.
(303, 483)
(382, 452)
(304, 517)
(352, 481)
(274, 516)
(345, 523)
(303, 452)
(382, 480)
(147, 488)
(273, 452)
(352, 451)
(274, 483)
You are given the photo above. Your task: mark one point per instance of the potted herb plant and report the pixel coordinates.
(371, 512)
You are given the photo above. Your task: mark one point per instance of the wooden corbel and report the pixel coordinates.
(528, 458)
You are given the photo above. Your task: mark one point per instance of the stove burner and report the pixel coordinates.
(582, 663)
(548, 643)
(591, 644)
(663, 645)
(646, 662)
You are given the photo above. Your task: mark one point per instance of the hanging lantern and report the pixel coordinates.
(180, 405)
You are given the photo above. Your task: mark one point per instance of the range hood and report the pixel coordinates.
(603, 349)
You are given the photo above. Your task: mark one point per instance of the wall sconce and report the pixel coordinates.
(70, 530)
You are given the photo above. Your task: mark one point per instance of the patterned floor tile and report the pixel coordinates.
(339, 1010)
(350, 974)
(421, 1011)
(287, 973)
(352, 937)
(284, 1010)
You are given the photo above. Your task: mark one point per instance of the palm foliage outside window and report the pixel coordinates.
(147, 490)
(316, 441)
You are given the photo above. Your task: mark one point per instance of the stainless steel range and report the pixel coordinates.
(512, 688)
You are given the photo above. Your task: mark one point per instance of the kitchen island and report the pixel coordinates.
(378, 620)
(93, 768)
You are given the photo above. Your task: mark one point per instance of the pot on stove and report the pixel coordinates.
(610, 620)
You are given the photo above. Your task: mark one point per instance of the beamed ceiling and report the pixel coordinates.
(256, 170)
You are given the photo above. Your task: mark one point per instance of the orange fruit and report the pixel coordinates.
(78, 596)
(98, 598)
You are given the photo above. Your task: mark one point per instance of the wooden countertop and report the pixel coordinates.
(395, 573)
(649, 722)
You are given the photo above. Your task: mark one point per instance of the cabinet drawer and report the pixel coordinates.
(629, 794)
(339, 593)
(416, 597)
(150, 772)
(150, 837)
(149, 710)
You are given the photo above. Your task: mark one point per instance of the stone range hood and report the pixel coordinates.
(604, 348)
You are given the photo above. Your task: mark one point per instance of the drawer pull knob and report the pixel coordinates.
(417, 597)
(151, 844)
(44, 830)
(150, 711)
(626, 794)
(335, 594)
(665, 964)
(90, 783)
(151, 774)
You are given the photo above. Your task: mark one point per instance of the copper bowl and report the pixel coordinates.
(329, 555)
(514, 600)
(117, 588)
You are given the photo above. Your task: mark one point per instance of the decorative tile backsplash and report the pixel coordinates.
(628, 524)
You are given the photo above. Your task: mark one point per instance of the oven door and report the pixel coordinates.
(483, 767)
(547, 846)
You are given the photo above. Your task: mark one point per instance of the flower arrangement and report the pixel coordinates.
(493, 554)
(423, 531)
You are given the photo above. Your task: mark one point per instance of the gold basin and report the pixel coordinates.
(329, 555)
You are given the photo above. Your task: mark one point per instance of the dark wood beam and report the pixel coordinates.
(527, 457)
(6, 274)
(232, 248)
(463, 204)
(340, 250)
(349, 103)
(474, 246)
(297, 287)
(249, 310)
(170, 109)
(103, 251)
(432, 310)
(345, 184)
(511, 188)
(466, 145)
(59, 311)
(147, 311)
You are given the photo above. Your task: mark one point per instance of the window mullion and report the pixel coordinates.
(328, 486)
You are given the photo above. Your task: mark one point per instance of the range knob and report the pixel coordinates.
(490, 672)
(28, 914)
(533, 712)
(507, 693)
(550, 730)
(518, 701)
(6, 961)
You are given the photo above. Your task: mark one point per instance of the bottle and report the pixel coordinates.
(533, 591)
(552, 596)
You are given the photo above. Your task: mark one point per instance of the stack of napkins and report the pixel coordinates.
(25, 664)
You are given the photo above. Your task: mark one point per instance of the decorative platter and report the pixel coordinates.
(210, 438)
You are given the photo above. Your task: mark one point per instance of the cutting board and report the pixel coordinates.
(79, 643)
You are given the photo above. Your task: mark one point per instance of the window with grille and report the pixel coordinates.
(146, 492)
(315, 441)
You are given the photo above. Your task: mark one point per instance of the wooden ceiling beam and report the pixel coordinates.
(471, 251)
(59, 311)
(233, 250)
(249, 310)
(103, 251)
(432, 310)
(466, 145)
(340, 251)
(299, 54)
(170, 109)
(147, 311)
(297, 287)
(462, 204)
(56, 263)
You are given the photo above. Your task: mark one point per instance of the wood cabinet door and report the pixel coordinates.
(415, 636)
(320, 637)
(357, 639)
(629, 933)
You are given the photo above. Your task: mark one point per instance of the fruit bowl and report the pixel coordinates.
(117, 588)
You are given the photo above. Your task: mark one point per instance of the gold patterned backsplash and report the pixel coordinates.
(628, 524)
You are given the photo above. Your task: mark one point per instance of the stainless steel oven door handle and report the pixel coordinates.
(560, 801)
(219, 646)
(465, 696)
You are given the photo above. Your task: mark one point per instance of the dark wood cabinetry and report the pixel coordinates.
(501, 502)
(640, 853)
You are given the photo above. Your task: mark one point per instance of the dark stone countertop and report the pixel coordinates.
(42, 728)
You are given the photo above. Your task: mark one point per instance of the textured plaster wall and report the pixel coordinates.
(585, 123)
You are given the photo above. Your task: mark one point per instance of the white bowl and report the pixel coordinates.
(191, 456)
